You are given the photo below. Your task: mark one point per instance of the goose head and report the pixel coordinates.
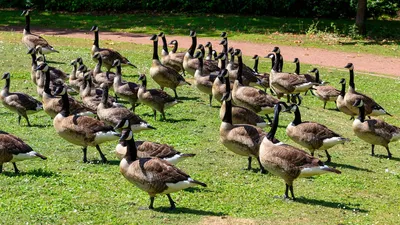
(208, 44)
(192, 33)
(5, 76)
(161, 34)
(42, 67)
(95, 28)
(349, 66)
(154, 37)
(116, 62)
(255, 57)
(224, 34)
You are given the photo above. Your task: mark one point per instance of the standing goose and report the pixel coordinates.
(153, 175)
(340, 103)
(242, 139)
(75, 81)
(13, 149)
(108, 55)
(114, 115)
(177, 57)
(209, 66)
(374, 131)
(158, 100)
(312, 135)
(210, 51)
(189, 62)
(218, 87)
(123, 89)
(288, 162)
(82, 130)
(30, 40)
(248, 76)
(325, 93)
(264, 77)
(34, 74)
(371, 107)
(171, 59)
(55, 74)
(99, 76)
(203, 81)
(162, 75)
(17, 102)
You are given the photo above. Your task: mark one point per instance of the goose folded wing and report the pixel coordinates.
(162, 171)
(13, 144)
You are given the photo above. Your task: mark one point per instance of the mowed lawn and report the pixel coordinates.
(62, 189)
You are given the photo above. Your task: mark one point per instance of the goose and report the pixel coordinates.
(123, 89)
(13, 149)
(114, 115)
(264, 77)
(177, 57)
(218, 87)
(311, 135)
(162, 75)
(20, 103)
(248, 76)
(82, 130)
(34, 74)
(224, 42)
(56, 75)
(173, 60)
(308, 77)
(340, 103)
(75, 81)
(210, 51)
(99, 76)
(52, 105)
(209, 66)
(153, 175)
(374, 131)
(288, 162)
(325, 93)
(242, 139)
(203, 81)
(30, 40)
(189, 62)
(241, 115)
(252, 98)
(371, 107)
(156, 99)
(108, 55)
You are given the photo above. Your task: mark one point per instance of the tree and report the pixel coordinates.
(361, 16)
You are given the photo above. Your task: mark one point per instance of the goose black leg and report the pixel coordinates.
(324, 104)
(389, 154)
(19, 120)
(84, 149)
(287, 191)
(16, 170)
(103, 158)
(116, 98)
(163, 115)
(249, 163)
(328, 156)
(27, 120)
(268, 118)
(262, 169)
(171, 202)
(210, 100)
(1, 168)
(151, 203)
(176, 95)
(372, 150)
(155, 114)
(312, 153)
(291, 191)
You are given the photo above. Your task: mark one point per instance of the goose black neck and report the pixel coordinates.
(274, 128)
(165, 46)
(131, 150)
(255, 67)
(280, 62)
(223, 64)
(96, 39)
(175, 47)
(7, 86)
(227, 85)
(317, 77)
(144, 82)
(297, 117)
(28, 23)
(193, 46)
(275, 64)
(65, 105)
(351, 81)
(228, 110)
(226, 45)
(46, 88)
(240, 70)
(297, 70)
(118, 70)
(361, 114)
(343, 90)
(34, 63)
(200, 63)
(155, 50)
(104, 96)
(203, 52)
(210, 49)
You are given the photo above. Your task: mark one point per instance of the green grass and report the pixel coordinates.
(382, 39)
(62, 189)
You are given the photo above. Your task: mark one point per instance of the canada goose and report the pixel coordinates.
(241, 115)
(340, 103)
(249, 97)
(108, 55)
(55, 74)
(242, 139)
(210, 51)
(325, 93)
(308, 77)
(52, 105)
(177, 57)
(263, 77)
(99, 76)
(203, 81)
(153, 175)
(374, 131)
(82, 130)
(312, 135)
(13, 149)
(173, 60)
(219, 86)
(158, 100)
(162, 75)
(114, 115)
(34, 73)
(32, 40)
(17, 102)
(287, 161)
(75, 81)
(371, 107)
(248, 76)
(209, 66)
(123, 89)
(189, 62)
(224, 42)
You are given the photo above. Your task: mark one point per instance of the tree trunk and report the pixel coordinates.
(360, 17)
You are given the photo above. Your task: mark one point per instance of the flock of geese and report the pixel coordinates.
(99, 118)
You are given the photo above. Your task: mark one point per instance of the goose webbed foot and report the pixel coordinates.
(262, 169)
(249, 163)
(151, 203)
(328, 156)
(16, 170)
(389, 153)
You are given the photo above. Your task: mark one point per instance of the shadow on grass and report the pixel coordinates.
(54, 62)
(196, 189)
(385, 157)
(109, 162)
(35, 173)
(335, 205)
(183, 98)
(349, 167)
(177, 120)
(180, 210)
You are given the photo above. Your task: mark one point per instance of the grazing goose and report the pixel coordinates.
(189, 62)
(108, 55)
(153, 175)
(252, 98)
(30, 40)
(99, 76)
(123, 89)
(17, 102)
(13, 149)
(288, 162)
(340, 103)
(241, 115)
(162, 75)
(371, 107)
(177, 57)
(114, 115)
(82, 130)
(374, 131)
(242, 139)
(203, 81)
(170, 59)
(311, 135)
(325, 93)
(158, 100)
